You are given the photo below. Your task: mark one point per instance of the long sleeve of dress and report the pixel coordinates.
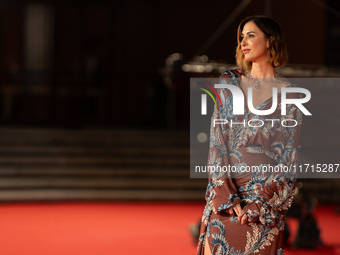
(221, 191)
(272, 196)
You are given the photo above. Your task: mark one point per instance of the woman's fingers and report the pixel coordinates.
(240, 215)
(231, 211)
(237, 209)
(244, 219)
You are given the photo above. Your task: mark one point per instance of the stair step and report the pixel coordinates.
(167, 171)
(115, 195)
(95, 182)
(56, 164)
(95, 150)
(116, 160)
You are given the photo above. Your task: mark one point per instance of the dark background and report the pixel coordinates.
(99, 63)
(95, 103)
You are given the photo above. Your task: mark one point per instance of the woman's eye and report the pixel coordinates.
(251, 36)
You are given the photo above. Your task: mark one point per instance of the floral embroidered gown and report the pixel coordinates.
(265, 197)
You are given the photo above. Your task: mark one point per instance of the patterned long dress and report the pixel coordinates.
(264, 196)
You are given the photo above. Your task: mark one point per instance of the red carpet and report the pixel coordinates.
(120, 228)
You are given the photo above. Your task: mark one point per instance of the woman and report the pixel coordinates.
(245, 211)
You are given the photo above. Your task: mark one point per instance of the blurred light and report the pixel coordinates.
(196, 59)
(204, 58)
(176, 56)
(186, 68)
(169, 61)
(299, 185)
(198, 68)
(202, 137)
(221, 69)
(208, 68)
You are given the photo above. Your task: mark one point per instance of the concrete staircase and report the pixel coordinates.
(47, 165)
(112, 165)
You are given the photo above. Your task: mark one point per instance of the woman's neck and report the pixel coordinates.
(262, 70)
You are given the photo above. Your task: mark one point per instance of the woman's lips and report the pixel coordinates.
(246, 51)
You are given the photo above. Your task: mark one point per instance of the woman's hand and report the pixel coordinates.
(242, 217)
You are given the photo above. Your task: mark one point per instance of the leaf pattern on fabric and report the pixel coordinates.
(265, 197)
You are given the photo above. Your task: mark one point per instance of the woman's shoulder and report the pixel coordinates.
(236, 72)
(230, 76)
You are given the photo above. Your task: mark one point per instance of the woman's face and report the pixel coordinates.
(254, 44)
